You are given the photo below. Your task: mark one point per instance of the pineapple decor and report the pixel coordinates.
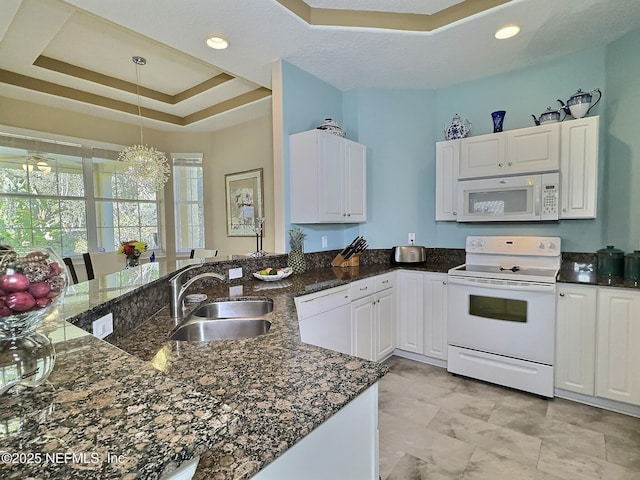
(296, 260)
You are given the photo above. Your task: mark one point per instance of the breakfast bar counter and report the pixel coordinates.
(138, 405)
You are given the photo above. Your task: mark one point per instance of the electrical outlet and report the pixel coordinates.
(235, 273)
(103, 326)
(412, 238)
(324, 241)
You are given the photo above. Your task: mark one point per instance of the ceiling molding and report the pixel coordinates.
(51, 88)
(239, 101)
(112, 82)
(417, 22)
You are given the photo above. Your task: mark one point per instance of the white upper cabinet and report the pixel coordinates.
(533, 149)
(328, 179)
(579, 168)
(447, 168)
(525, 150)
(482, 156)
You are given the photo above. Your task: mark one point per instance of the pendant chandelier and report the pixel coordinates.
(145, 165)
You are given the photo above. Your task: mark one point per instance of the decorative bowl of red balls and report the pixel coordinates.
(32, 285)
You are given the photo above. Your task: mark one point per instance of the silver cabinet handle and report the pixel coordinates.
(499, 164)
(561, 294)
(509, 163)
(444, 282)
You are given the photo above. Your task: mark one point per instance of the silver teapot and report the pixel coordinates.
(579, 104)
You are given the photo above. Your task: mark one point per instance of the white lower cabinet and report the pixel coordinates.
(410, 311)
(372, 318)
(422, 313)
(576, 338)
(618, 345)
(345, 446)
(325, 319)
(598, 342)
(435, 315)
(357, 319)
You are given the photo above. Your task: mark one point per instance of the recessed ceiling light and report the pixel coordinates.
(218, 43)
(507, 31)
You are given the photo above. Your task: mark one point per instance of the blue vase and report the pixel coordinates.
(498, 119)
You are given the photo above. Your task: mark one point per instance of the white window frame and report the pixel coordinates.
(189, 160)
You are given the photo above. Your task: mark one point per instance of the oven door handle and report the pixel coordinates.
(503, 284)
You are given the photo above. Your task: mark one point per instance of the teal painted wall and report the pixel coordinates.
(400, 128)
(306, 102)
(621, 223)
(523, 93)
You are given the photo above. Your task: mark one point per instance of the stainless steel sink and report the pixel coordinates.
(226, 320)
(205, 330)
(234, 308)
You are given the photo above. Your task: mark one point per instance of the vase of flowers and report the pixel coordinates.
(132, 251)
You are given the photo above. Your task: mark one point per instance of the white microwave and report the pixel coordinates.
(522, 198)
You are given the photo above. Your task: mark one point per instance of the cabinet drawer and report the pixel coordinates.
(314, 304)
(384, 281)
(362, 288)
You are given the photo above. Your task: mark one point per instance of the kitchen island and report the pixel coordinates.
(140, 405)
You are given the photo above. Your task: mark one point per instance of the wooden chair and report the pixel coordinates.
(71, 269)
(102, 263)
(203, 253)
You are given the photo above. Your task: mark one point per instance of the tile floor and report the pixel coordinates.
(437, 426)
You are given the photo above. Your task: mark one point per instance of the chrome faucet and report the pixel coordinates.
(178, 290)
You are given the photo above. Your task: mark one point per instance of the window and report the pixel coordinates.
(189, 203)
(70, 197)
(123, 212)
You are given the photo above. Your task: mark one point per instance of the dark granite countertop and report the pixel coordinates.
(581, 269)
(151, 403)
(140, 405)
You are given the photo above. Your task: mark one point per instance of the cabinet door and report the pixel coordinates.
(330, 329)
(385, 327)
(435, 315)
(331, 178)
(618, 352)
(362, 327)
(579, 168)
(355, 182)
(447, 166)
(410, 311)
(482, 156)
(576, 338)
(533, 149)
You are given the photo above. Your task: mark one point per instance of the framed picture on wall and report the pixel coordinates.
(244, 202)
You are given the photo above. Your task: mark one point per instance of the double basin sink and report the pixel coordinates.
(225, 320)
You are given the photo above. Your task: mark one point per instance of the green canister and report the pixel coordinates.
(610, 262)
(632, 266)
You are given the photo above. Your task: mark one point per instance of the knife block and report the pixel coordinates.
(340, 261)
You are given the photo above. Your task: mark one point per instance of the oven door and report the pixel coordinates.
(504, 317)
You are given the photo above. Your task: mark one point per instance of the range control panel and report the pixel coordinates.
(514, 245)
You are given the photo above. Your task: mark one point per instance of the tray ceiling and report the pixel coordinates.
(76, 54)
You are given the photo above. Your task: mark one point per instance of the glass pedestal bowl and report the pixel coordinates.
(32, 285)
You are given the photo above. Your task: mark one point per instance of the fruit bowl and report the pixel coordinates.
(32, 285)
(282, 273)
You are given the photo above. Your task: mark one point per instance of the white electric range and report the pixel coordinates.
(501, 311)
